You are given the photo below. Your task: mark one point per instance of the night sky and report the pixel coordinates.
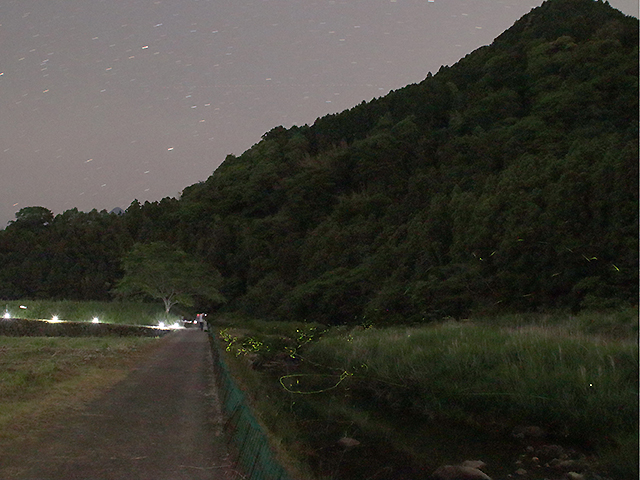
(106, 101)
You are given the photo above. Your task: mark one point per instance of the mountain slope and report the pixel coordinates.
(508, 180)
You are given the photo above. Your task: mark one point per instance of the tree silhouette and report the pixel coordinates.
(161, 272)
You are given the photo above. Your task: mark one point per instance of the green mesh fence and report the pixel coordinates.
(255, 458)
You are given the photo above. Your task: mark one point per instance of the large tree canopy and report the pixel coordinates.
(33, 217)
(161, 272)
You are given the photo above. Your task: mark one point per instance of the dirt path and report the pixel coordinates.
(161, 422)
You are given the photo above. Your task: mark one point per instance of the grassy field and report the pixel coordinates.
(575, 377)
(41, 378)
(126, 313)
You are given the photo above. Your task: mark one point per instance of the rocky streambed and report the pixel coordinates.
(373, 459)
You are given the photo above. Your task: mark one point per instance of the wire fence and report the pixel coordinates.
(254, 455)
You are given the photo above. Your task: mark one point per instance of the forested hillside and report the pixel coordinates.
(508, 181)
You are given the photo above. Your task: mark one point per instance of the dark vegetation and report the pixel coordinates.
(506, 182)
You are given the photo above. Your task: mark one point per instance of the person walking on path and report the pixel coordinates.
(162, 422)
(204, 326)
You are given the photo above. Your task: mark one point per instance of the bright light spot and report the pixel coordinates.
(23, 307)
(170, 148)
(161, 324)
(95, 320)
(55, 319)
(145, 47)
(7, 315)
(591, 384)
(176, 325)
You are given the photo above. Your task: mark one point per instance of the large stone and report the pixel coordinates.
(347, 442)
(479, 464)
(459, 472)
(575, 476)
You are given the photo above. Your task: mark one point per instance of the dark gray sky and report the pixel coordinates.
(106, 101)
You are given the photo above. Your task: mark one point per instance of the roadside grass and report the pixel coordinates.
(43, 377)
(574, 376)
(125, 313)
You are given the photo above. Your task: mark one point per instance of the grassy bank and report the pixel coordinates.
(125, 313)
(437, 393)
(42, 377)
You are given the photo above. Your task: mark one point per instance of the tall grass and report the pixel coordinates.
(619, 324)
(579, 386)
(124, 313)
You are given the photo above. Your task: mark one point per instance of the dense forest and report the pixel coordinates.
(506, 182)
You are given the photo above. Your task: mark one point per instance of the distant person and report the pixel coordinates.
(201, 322)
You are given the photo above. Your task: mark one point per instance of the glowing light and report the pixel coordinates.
(161, 324)
(7, 315)
(55, 319)
(95, 320)
(23, 307)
